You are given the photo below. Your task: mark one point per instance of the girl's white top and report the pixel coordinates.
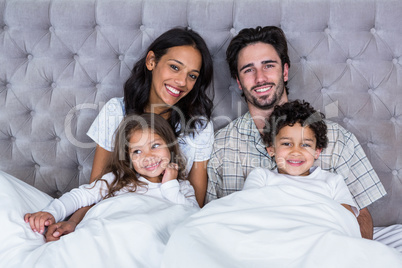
(177, 192)
(195, 148)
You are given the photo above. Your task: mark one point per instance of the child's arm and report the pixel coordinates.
(39, 220)
(179, 193)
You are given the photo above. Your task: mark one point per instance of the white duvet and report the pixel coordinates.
(130, 230)
(269, 227)
(275, 226)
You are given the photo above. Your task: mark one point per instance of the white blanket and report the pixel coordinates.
(130, 230)
(279, 226)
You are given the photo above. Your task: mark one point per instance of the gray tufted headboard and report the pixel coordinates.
(61, 60)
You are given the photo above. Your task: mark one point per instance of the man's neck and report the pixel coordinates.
(259, 116)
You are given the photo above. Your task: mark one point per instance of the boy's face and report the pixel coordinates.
(295, 150)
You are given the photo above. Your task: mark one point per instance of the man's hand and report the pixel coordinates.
(55, 231)
(366, 223)
(39, 220)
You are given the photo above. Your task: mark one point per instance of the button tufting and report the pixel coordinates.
(395, 61)
(98, 85)
(5, 28)
(51, 29)
(57, 139)
(372, 30)
(8, 85)
(142, 27)
(303, 59)
(346, 120)
(327, 30)
(324, 89)
(37, 166)
(12, 138)
(233, 31)
(394, 172)
(393, 120)
(79, 168)
(32, 113)
(349, 61)
(370, 91)
(53, 85)
(76, 57)
(97, 27)
(29, 57)
(369, 144)
(121, 57)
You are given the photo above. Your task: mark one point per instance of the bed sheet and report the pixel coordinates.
(130, 230)
(275, 226)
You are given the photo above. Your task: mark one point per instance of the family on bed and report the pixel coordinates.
(158, 139)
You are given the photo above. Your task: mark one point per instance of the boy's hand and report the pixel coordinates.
(171, 172)
(39, 220)
(57, 230)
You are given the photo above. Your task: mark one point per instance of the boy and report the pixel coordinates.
(295, 136)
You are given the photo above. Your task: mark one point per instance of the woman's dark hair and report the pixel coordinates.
(197, 103)
(121, 165)
(271, 35)
(294, 112)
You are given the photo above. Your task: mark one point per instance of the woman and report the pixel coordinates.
(172, 80)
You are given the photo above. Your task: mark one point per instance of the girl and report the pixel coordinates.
(146, 160)
(172, 79)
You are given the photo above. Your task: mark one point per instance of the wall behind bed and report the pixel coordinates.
(61, 60)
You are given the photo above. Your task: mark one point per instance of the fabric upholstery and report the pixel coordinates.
(61, 60)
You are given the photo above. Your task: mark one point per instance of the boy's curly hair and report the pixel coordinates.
(294, 112)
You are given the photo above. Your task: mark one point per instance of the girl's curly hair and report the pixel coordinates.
(294, 112)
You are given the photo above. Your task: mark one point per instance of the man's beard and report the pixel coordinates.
(263, 103)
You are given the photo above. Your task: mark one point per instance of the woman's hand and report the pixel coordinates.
(39, 220)
(171, 172)
(56, 230)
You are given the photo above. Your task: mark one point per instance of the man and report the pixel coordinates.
(258, 60)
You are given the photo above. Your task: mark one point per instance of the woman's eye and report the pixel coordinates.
(194, 77)
(174, 67)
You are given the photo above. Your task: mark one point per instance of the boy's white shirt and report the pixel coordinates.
(178, 192)
(318, 181)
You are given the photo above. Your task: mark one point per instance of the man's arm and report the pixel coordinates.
(366, 223)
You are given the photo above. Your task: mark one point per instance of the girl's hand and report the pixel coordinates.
(171, 172)
(39, 220)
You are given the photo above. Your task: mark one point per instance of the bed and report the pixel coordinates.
(62, 60)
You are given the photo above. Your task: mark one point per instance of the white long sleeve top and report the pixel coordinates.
(178, 192)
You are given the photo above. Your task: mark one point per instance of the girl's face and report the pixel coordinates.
(295, 150)
(173, 77)
(149, 154)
